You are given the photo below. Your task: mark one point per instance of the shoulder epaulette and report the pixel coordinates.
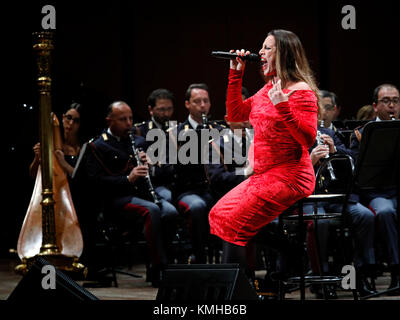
(105, 137)
(139, 123)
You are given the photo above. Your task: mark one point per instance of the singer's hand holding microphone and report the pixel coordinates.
(239, 63)
(238, 59)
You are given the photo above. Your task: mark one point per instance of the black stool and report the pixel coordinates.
(315, 216)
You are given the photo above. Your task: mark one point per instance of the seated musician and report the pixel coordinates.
(329, 112)
(233, 149)
(73, 136)
(327, 143)
(377, 214)
(233, 167)
(120, 181)
(161, 108)
(194, 197)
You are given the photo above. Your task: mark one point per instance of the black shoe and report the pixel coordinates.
(318, 290)
(330, 293)
(364, 287)
(99, 279)
(394, 282)
(153, 275)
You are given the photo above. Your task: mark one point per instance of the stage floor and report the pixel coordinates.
(130, 288)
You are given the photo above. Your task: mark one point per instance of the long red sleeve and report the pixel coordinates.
(299, 113)
(300, 117)
(237, 109)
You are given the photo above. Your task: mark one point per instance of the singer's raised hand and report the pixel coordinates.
(239, 64)
(276, 94)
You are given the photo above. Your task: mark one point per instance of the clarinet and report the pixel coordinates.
(204, 120)
(321, 142)
(149, 185)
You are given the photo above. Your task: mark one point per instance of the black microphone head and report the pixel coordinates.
(229, 55)
(252, 57)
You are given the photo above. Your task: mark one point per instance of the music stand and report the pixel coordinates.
(352, 124)
(378, 162)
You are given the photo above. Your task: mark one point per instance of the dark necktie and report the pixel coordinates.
(244, 149)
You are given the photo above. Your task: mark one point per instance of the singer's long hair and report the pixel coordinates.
(291, 61)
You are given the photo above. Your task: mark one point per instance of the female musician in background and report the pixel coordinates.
(71, 146)
(284, 116)
(67, 157)
(69, 233)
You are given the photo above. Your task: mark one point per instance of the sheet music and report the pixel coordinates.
(79, 159)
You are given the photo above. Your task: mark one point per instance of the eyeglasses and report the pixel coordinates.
(69, 118)
(387, 101)
(329, 107)
(162, 109)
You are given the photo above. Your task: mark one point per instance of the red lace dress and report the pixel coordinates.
(283, 173)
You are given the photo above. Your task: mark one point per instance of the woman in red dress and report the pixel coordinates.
(284, 116)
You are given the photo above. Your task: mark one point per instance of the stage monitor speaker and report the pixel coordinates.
(31, 286)
(204, 282)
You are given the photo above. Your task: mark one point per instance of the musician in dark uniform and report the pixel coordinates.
(233, 149)
(120, 182)
(378, 206)
(326, 144)
(329, 112)
(194, 197)
(161, 108)
(161, 128)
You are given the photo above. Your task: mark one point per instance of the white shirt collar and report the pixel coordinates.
(111, 134)
(193, 122)
(159, 126)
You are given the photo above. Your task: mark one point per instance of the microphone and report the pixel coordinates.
(231, 56)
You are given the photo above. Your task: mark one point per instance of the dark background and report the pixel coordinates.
(116, 50)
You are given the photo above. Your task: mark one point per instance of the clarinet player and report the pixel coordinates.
(122, 187)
